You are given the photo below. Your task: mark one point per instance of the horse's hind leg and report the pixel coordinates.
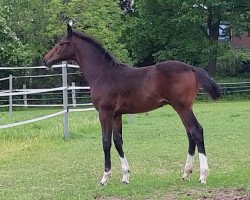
(117, 137)
(195, 134)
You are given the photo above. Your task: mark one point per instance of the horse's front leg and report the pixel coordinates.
(117, 137)
(106, 124)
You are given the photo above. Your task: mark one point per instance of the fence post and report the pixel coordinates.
(130, 118)
(73, 95)
(25, 101)
(10, 97)
(65, 101)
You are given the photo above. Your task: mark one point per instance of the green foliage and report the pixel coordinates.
(102, 20)
(38, 24)
(161, 31)
(29, 28)
(12, 51)
(239, 16)
(55, 27)
(28, 20)
(168, 29)
(231, 61)
(157, 30)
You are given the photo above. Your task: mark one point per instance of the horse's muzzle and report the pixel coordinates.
(47, 64)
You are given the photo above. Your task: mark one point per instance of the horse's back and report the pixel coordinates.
(173, 66)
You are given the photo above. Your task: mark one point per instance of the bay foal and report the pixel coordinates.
(118, 89)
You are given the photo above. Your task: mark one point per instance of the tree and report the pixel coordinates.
(183, 30)
(213, 12)
(101, 19)
(29, 28)
(12, 51)
(28, 20)
(39, 23)
(156, 32)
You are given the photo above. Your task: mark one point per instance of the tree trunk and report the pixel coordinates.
(212, 67)
(213, 35)
(212, 63)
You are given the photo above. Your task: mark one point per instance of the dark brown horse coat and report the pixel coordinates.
(117, 89)
(135, 90)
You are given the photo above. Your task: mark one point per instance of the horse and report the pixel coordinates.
(118, 89)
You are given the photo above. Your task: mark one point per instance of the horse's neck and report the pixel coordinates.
(92, 63)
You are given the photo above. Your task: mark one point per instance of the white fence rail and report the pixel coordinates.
(231, 88)
(24, 92)
(65, 89)
(32, 120)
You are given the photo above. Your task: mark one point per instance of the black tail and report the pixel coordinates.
(208, 85)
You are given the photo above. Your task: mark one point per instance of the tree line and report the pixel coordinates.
(140, 32)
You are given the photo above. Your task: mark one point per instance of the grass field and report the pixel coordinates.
(36, 163)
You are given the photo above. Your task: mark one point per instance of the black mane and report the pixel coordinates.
(91, 40)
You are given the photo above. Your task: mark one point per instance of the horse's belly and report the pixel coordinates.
(140, 105)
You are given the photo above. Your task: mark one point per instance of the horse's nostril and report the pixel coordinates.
(46, 64)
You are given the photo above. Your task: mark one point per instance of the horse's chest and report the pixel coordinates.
(104, 97)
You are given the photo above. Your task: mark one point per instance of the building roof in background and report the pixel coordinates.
(241, 42)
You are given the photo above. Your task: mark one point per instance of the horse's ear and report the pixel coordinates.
(69, 27)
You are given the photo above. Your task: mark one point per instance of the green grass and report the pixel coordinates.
(36, 163)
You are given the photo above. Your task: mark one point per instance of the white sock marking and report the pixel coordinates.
(106, 176)
(188, 167)
(125, 170)
(203, 168)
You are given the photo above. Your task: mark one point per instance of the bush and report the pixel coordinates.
(234, 62)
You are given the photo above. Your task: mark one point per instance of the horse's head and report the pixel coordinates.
(63, 50)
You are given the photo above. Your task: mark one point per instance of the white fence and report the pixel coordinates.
(232, 88)
(226, 88)
(24, 92)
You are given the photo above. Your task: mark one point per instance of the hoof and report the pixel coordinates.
(202, 181)
(125, 181)
(105, 178)
(125, 176)
(186, 175)
(103, 183)
(187, 178)
(203, 176)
